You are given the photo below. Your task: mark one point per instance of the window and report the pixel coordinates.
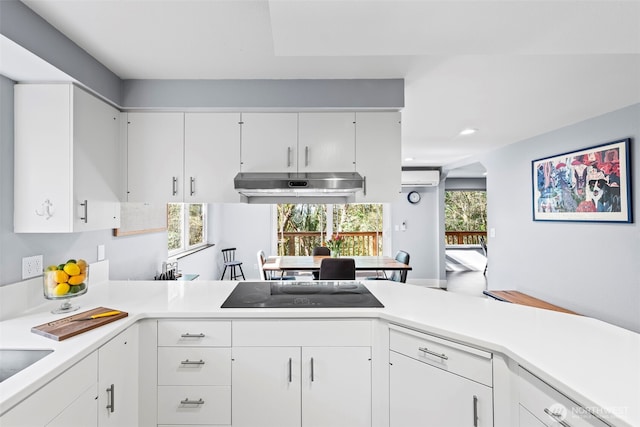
(186, 226)
(301, 227)
(465, 217)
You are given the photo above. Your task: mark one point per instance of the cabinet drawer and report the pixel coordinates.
(194, 366)
(179, 405)
(541, 399)
(459, 359)
(197, 333)
(350, 333)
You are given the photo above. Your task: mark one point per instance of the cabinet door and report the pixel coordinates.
(378, 156)
(118, 380)
(42, 158)
(266, 386)
(81, 413)
(336, 386)
(155, 155)
(96, 160)
(434, 397)
(326, 142)
(211, 157)
(269, 142)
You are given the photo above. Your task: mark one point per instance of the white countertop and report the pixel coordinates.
(595, 363)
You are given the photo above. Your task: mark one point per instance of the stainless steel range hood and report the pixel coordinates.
(317, 187)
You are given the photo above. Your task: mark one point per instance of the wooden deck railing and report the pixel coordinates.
(464, 237)
(355, 243)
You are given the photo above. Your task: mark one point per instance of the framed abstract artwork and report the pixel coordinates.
(592, 184)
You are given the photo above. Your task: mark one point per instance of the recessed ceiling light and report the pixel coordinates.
(408, 159)
(468, 131)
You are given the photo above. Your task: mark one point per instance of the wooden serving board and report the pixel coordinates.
(64, 328)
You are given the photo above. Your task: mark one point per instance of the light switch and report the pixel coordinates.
(492, 232)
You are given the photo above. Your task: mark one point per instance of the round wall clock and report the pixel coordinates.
(413, 197)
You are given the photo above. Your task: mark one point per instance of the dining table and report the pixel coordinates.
(284, 264)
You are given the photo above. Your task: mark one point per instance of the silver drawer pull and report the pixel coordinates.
(186, 401)
(433, 353)
(556, 417)
(201, 335)
(192, 362)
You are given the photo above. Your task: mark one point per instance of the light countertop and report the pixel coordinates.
(595, 363)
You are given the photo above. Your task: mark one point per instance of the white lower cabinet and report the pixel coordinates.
(527, 419)
(308, 386)
(434, 382)
(550, 407)
(118, 380)
(57, 402)
(194, 373)
(309, 376)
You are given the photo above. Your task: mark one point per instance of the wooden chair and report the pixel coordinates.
(338, 269)
(264, 275)
(229, 258)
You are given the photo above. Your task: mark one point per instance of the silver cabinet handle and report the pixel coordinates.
(556, 417)
(312, 373)
(306, 155)
(192, 362)
(475, 411)
(86, 211)
(186, 401)
(187, 335)
(174, 185)
(111, 402)
(192, 186)
(288, 157)
(290, 362)
(364, 185)
(433, 353)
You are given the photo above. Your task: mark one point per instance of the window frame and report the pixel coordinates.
(184, 237)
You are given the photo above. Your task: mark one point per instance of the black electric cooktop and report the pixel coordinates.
(287, 294)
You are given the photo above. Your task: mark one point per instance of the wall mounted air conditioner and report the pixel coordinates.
(420, 178)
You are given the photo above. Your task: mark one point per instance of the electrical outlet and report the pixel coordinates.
(31, 266)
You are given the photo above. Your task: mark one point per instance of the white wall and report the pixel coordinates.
(424, 223)
(591, 268)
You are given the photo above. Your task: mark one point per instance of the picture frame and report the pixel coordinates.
(588, 185)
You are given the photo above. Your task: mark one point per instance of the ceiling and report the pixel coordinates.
(512, 69)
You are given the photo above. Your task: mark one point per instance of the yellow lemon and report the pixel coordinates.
(77, 279)
(60, 276)
(71, 269)
(61, 289)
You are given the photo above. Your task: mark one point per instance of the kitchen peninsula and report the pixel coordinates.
(508, 346)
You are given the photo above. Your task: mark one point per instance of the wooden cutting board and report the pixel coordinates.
(66, 327)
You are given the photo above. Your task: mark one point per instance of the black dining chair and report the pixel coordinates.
(319, 251)
(338, 269)
(229, 259)
(397, 275)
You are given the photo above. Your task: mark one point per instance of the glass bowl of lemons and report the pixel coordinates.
(66, 281)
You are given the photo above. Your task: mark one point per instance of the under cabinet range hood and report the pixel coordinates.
(313, 187)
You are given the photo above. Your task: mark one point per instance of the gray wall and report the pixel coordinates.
(424, 223)
(591, 268)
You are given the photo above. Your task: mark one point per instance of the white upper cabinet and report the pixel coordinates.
(155, 157)
(211, 157)
(378, 154)
(298, 142)
(67, 164)
(269, 142)
(326, 142)
(182, 157)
